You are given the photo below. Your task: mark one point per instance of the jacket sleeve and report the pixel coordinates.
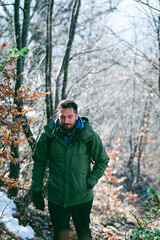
(40, 163)
(101, 159)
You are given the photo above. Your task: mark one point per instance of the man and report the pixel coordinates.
(69, 143)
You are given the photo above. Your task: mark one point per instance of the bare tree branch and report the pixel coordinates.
(147, 4)
(132, 47)
(147, 83)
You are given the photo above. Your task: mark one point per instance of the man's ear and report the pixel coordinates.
(77, 114)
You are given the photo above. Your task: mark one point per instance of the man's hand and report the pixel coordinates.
(38, 200)
(89, 186)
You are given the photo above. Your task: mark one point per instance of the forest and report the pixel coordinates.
(105, 55)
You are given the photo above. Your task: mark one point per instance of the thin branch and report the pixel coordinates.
(77, 82)
(154, 64)
(5, 9)
(139, 223)
(147, 4)
(92, 50)
(6, 4)
(147, 83)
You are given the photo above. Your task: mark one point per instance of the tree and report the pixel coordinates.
(65, 62)
(48, 64)
(21, 42)
(11, 119)
(152, 10)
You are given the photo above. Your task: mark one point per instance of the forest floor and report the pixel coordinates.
(108, 221)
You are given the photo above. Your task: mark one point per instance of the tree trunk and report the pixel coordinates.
(159, 52)
(139, 159)
(48, 64)
(65, 62)
(21, 41)
(133, 148)
(72, 29)
(26, 21)
(14, 167)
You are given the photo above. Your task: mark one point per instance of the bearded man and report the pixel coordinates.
(68, 145)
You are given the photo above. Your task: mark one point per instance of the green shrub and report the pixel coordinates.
(150, 214)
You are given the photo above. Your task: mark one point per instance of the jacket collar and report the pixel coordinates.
(76, 131)
(84, 128)
(52, 127)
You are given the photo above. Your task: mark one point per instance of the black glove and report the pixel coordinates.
(38, 200)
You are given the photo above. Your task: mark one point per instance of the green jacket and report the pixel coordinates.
(69, 165)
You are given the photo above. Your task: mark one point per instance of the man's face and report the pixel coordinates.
(67, 118)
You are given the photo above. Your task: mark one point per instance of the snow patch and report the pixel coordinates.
(7, 209)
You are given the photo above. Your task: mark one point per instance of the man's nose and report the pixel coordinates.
(66, 120)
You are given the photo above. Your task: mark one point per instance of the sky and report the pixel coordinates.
(7, 209)
(125, 18)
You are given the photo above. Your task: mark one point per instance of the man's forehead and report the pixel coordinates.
(66, 111)
(65, 114)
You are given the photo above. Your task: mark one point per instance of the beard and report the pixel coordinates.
(68, 128)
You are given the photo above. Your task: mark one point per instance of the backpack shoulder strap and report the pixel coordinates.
(85, 119)
(89, 148)
(88, 143)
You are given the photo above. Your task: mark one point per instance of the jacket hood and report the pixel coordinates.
(87, 132)
(49, 129)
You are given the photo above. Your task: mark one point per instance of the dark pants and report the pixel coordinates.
(60, 218)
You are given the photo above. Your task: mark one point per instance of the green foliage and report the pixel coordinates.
(150, 214)
(147, 234)
(13, 55)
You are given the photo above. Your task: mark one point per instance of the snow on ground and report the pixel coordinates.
(7, 209)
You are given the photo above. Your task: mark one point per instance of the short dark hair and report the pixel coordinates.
(67, 104)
